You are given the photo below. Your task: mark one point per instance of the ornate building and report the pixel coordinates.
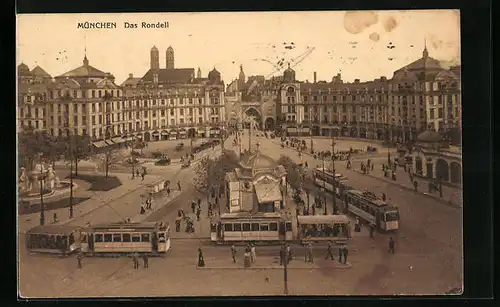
(256, 186)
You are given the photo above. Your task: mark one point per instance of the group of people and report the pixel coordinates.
(250, 255)
(365, 168)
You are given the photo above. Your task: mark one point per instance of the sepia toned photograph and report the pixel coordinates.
(239, 154)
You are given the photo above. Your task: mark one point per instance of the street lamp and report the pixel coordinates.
(42, 207)
(71, 178)
(334, 184)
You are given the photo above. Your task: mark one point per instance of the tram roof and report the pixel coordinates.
(337, 175)
(375, 201)
(248, 215)
(142, 225)
(322, 219)
(53, 229)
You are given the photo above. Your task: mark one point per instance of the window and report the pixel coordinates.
(107, 237)
(228, 227)
(181, 112)
(288, 226)
(255, 226)
(136, 238)
(145, 237)
(264, 227)
(237, 227)
(246, 226)
(273, 226)
(98, 237)
(117, 237)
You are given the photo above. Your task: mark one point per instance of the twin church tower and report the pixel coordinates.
(155, 58)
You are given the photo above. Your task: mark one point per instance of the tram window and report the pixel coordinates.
(213, 227)
(246, 226)
(71, 239)
(126, 237)
(264, 227)
(98, 237)
(288, 226)
(255, 226)
(136, 238)
(228, 227)
(273, 226)
(117, 237)
(237, 227)
(145, 237)
(107, 237)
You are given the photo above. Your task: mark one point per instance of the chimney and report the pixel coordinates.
(314, 77)
(130, 75)
(356, 80)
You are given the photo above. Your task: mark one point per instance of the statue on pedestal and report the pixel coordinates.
(23, 183)
(51, 181)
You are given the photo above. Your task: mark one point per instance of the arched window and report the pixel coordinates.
(291, 89)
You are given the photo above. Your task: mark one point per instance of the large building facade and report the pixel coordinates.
(165, 103)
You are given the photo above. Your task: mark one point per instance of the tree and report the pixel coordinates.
(54, 149)
(109, 159)
(79, 147)
(294, 172)
(139, 144)
(211, 172)
(31, 143)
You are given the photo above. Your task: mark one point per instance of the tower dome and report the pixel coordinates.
(289, 74)
(23, 70)
(214, 76)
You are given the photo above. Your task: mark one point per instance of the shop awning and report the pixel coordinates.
(156, 133)
(182, 132)
(268, 192)
(118, 140)
(164, 132)
(99, 144)
(109, 142)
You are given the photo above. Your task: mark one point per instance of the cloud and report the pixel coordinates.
(356, 22)
(390, 24)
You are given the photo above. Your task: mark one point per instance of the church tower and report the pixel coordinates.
(198, 74)
(425, 53)
(241, 78)
(170, 58)
(155, 58)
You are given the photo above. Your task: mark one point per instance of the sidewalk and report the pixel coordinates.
(272, 263)
(451, 196)
(201, 227)
(97, 199)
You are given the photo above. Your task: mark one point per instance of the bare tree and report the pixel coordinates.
(109, 159)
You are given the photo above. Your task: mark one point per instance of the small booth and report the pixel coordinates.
(156, 187)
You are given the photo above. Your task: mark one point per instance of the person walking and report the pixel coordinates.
(310, 252)
(198, 213)
(193, 206)
(137, 172)
(340, 254)
(329, 251)
(253, 255)
(415, 185)
(201, 260)
(55, 218)
(233, 253)
(179, 186)
(288, 253)
(168, 191)
(135, 261)
(372, 230)
(79, 258)
(345, 252)
(391, 245)
(145, 260)
(384, 197)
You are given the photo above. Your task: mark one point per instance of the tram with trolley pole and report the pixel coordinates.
(269, 227)
(112, 239)
(368, 207)
(325, 179)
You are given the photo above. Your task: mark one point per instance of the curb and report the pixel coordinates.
(453, 205)
(273, 267)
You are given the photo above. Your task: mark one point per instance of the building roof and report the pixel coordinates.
(131, 81)
(23, 70)
(429, 136)
(24, 88)
(40, 72)
(445, 75)
(322, 219)
(260, 161)
(85, 71)
(170, 75)
(405, 75)
(424, 63)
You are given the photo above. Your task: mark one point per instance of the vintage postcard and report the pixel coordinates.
(239, 154)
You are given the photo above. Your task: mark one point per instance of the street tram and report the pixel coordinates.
(53, 239)
(151, 238)
(318, 228)
(244, 227)
(325, 179)
(371, 209)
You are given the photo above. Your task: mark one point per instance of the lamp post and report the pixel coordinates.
(310, 130)
(71, 178)
(334, 184)
(42, 207)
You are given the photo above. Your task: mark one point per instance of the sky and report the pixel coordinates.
(358, 44)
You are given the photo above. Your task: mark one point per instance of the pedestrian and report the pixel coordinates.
(340, 254)
(372, 166)
(193, 206)
(394, 175)
(329, 251)
(198, 202)
(168, 191)
(415, 185)
(391, 245)
(384, 197)
(79, 258)
(282, 254)
(252, 253)
(372, 230)
(135, 261)
(143, 211)
(201, 261)
(145, 260)
(179, 186)
(148, 203)
(198, 212)
(310, 252)
(55, 217)
(305, 164)
(233, 253)
(177, 225)
(345, 252)
(357, 226)
(289, 253)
